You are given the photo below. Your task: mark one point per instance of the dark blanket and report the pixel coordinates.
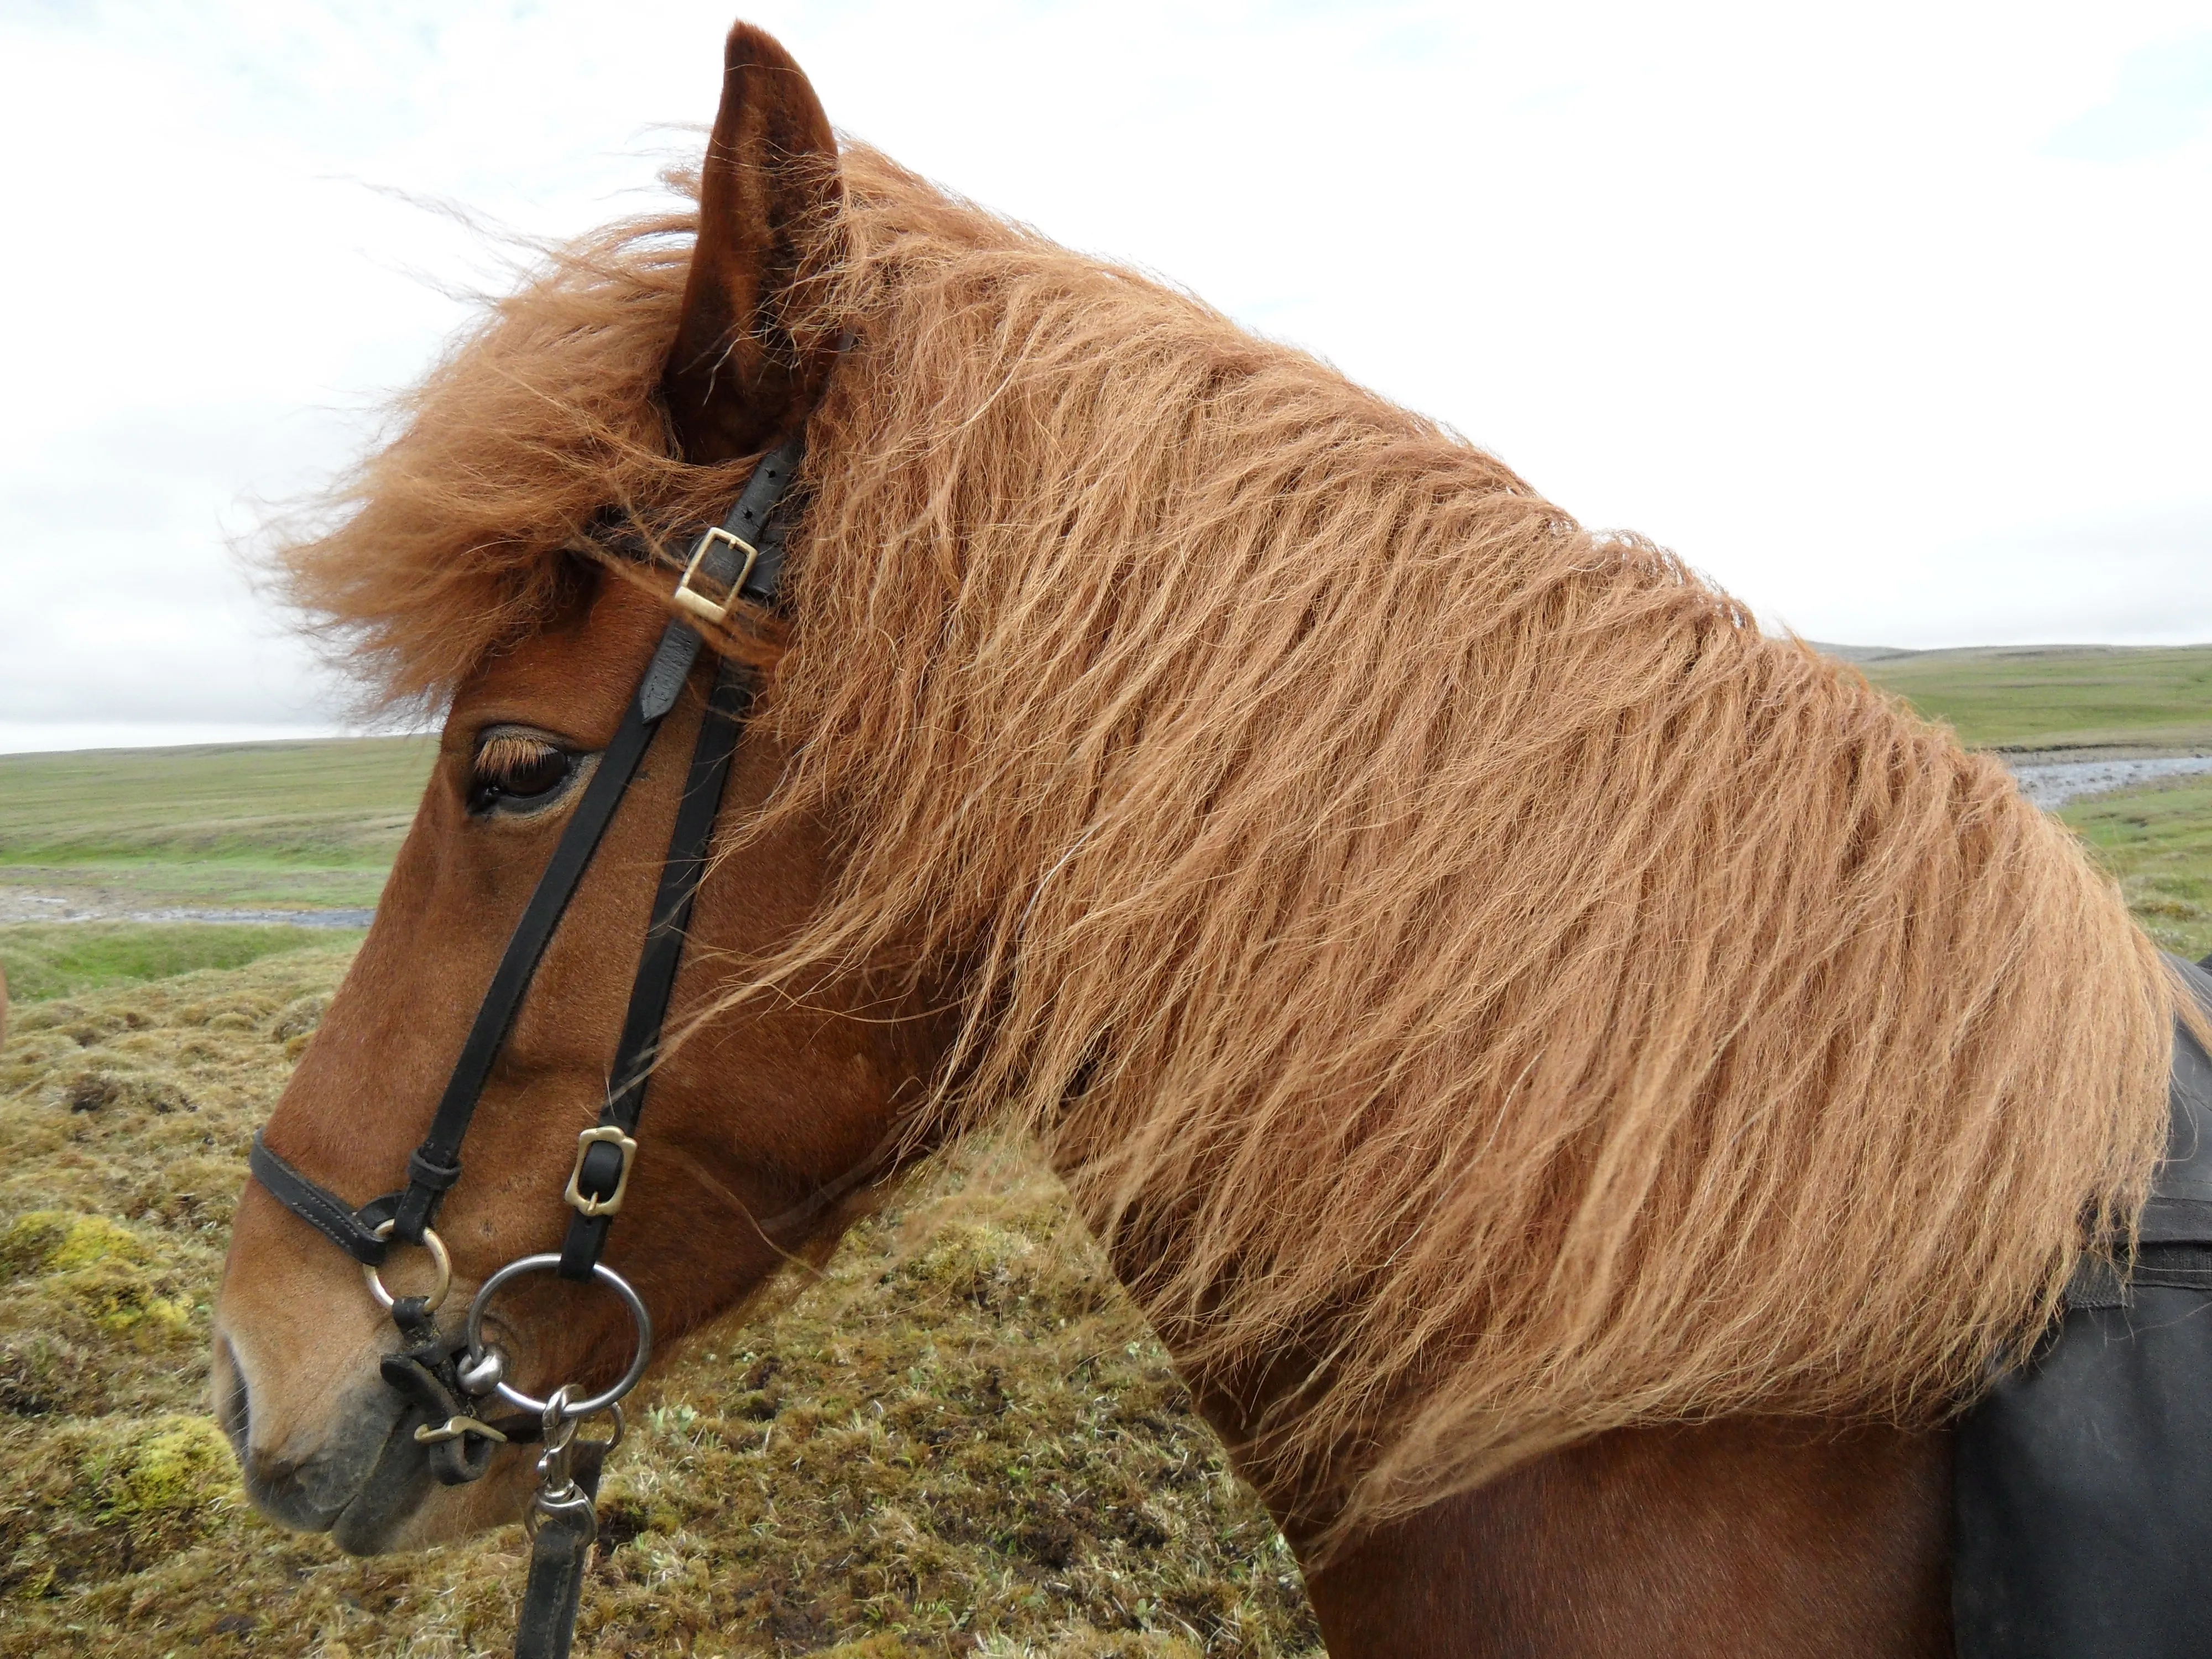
(2084, 1485)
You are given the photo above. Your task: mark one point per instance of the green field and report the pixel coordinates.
(2106, 700)
(2158, 842)
(67, 958)
(279, 825)
(2154, 700)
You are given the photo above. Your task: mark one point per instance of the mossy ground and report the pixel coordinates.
(959, 1438)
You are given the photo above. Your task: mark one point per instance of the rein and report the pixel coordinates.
(446, 1377)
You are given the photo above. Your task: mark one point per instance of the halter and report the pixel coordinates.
(742, 558)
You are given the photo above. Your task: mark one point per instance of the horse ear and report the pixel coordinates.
(736, 377)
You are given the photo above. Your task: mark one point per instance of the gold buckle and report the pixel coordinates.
(697, 603)
(590, 1137)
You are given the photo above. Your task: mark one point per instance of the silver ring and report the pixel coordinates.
(603, 1274)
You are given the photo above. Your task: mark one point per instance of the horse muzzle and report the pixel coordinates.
(346, 1460)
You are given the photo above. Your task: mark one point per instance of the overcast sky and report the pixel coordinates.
(1894, 318)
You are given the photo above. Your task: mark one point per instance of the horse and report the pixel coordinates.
(1583, 1090)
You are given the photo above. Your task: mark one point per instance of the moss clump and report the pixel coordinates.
(99, 1090)
(101, 1269)
(299, 1017)
(125, 1300)
(57, 1241)
(109, 1497)
(158, 1476)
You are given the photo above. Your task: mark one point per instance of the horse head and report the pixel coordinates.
(761, 1121)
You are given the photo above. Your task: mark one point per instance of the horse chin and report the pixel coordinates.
(400, 1507)
(360, 1475)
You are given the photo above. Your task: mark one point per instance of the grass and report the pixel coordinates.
(286, 825)
(958, 1439)
(2158, 840)
(2154, 699)
(66, 958)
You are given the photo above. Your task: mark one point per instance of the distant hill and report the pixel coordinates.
(2133, 699)
(1861, 653)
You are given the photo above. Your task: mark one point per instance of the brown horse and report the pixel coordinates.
(1582, 1089)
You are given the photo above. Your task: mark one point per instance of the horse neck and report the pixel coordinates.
(1753, 1537)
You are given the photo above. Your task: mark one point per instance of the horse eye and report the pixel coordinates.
(513, 773)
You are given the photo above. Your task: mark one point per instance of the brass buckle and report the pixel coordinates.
(697, 603)
(614, 1137)
(439, 1258)
(453, 1428)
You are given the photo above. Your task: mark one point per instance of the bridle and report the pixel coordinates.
(445, 1377)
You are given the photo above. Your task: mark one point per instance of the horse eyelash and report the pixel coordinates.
(505, 754)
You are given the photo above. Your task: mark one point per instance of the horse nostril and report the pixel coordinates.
(231, 1410)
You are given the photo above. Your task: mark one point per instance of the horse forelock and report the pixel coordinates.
(1432, 939)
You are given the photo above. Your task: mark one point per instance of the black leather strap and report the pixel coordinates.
(320, 1209)
(436, 1164)
(689, 843)
(546, 1625)
(759, 519)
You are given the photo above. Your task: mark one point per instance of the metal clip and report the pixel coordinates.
(582, 1202)
(690, 598)
(558, 1493)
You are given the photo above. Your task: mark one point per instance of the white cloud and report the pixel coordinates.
(2162, 100)
(1890, 318)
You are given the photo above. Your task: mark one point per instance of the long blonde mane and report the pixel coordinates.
(1486, 991)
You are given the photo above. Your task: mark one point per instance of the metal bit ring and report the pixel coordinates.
(603, 1274)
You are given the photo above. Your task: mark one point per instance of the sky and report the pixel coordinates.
(1891, 318)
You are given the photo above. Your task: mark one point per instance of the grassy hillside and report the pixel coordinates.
(960, 1439)
(2158, 842)
(285, 825)
(2152, 699)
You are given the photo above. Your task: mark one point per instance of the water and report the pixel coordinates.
(275, 918)
(19, 904)
(2052, 784)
